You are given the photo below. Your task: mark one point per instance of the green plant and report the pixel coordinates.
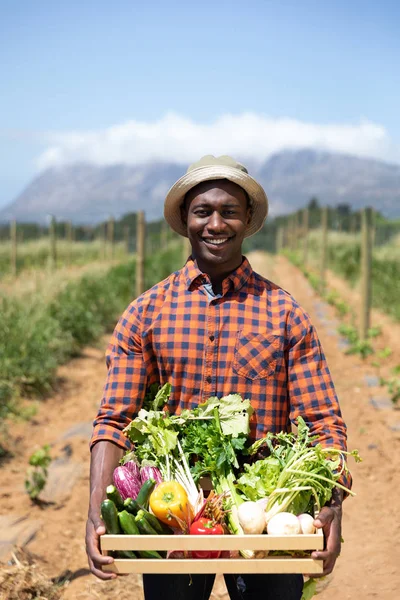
(374, 332)
(393, 384)
(385, 353)
(38, 335)
(37, 473)
(349, 332)
(362, 347)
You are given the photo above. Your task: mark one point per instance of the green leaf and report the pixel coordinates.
(309, 589)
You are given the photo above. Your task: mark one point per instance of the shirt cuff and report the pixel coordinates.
(109, 434)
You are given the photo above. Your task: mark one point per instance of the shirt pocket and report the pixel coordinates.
(256, 354)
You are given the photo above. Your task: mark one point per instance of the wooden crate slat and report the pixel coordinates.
(217, 542)
(232, 565)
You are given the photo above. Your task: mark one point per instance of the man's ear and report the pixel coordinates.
(249, 215)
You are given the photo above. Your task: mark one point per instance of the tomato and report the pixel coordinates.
(168, 500)
(205, 526)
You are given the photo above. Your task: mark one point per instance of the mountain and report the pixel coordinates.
(86, 193)
(292, 178)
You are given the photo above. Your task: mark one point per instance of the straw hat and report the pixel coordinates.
(209, 168)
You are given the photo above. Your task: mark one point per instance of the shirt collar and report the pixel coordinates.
(235, 280)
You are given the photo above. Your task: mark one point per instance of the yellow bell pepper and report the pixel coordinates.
(169, 500)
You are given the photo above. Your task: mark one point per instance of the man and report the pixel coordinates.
(213, 328)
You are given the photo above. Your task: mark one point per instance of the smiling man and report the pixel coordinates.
(216, 214)
(213, 328)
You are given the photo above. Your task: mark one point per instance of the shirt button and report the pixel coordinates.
(212, 338)
(209, 379)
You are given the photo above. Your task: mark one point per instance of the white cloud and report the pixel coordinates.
(249, 135)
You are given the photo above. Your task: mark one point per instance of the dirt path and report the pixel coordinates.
(368, 566)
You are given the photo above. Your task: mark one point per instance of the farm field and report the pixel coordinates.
(368, 566)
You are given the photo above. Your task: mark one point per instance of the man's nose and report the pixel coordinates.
(216, 221)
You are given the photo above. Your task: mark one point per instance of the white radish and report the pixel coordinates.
(306, 523)
(251, 517)
(263, 502)
(284, 523)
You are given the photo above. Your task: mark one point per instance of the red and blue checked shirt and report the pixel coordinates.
(253, 339)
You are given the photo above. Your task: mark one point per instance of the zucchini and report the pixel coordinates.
(127, 523)
(131, 506)
(125, 554)
(161, 528)
(129, 526)
(158, 526)
(144, 493)
(143, 525)
(149, 554)
(114, 495)
(109, 514)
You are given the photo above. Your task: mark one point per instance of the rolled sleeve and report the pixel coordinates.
(311, 391)
(126, 381)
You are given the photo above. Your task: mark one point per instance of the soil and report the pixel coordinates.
(369, 564)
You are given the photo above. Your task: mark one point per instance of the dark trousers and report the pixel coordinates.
(240, 587)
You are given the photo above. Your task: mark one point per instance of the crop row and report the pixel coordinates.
(344, 258)
(37, 254)
(37, 335)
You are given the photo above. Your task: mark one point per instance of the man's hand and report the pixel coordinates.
(105, 456)
(330, 520)
(94, 529)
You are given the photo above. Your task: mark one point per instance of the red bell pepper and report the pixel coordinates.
(205, 526)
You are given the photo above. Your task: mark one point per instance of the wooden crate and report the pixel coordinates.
(269, 564)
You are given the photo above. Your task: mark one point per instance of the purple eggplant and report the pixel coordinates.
(133, 468)
(126, 483)
(150, 473)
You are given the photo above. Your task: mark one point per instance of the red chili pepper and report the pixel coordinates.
(205, 526)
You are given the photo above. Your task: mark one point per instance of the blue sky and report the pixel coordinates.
(107, 82)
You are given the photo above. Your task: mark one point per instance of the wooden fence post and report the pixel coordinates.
(53, 243)
(366, 257)
(69, 241)
(299, 230)
(292, 233)
(140, 248)
(324, 240)
(306, 219)
(126, 238)
(103, 240)
(279, 239)
(13, 248)
(373, 227)
(110, 237)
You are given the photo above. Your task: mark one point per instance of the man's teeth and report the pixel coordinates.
(218, 241)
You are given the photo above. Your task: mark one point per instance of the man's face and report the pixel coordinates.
(216, 215)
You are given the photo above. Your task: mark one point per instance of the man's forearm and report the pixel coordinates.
(105, 457)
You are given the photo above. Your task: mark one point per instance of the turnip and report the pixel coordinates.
(284, 523)
(251, 517)
(306, 523)
(263, 502)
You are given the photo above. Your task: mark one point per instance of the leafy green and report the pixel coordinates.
(36, 476)
(309, 589)
(210, 436)
(308, 472)
(260, 479)
(234, 413)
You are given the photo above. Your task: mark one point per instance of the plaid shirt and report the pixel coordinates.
(253, 339)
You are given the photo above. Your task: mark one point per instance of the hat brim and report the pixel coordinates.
(176, 195)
